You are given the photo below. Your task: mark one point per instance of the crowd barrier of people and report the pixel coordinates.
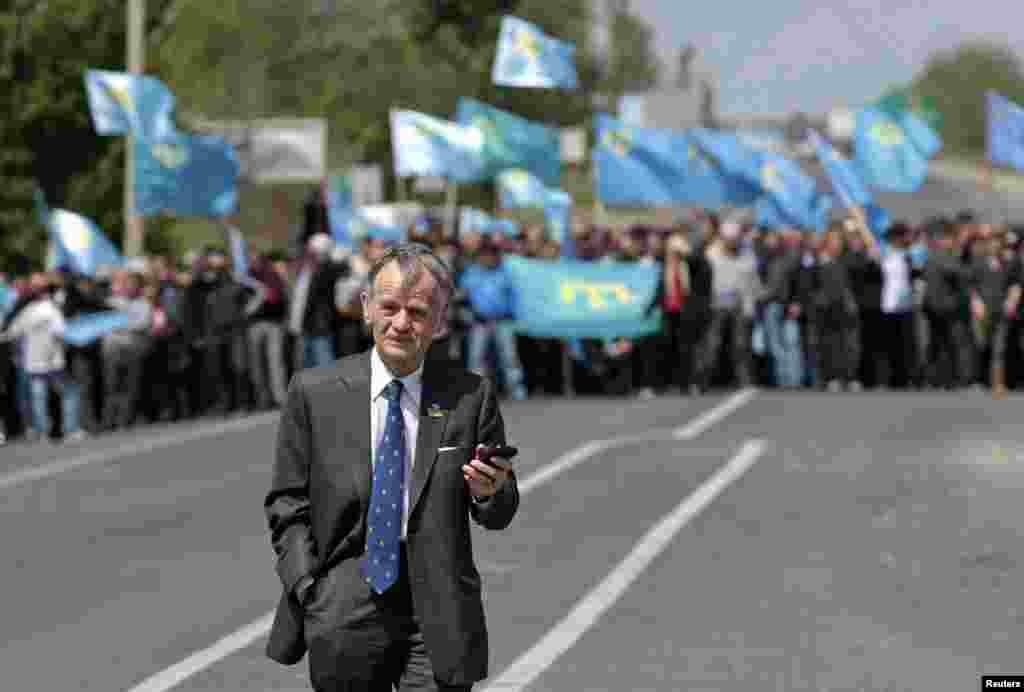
(742, 305)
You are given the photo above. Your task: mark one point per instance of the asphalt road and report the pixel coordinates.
(874, 545)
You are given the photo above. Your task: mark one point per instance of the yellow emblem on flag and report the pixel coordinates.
(527, 44)
(170, 155)
(619, 141)
(598, 294)
(771, 180)
(886, 133)
(75, 234)
(122, 94)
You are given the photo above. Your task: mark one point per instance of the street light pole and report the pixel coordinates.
(134, 225)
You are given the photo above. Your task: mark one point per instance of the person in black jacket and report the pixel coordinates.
(862, 260)
(949, 286)
(834, 315)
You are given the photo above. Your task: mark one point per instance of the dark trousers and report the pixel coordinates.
(837, 350)
(901, 355)
(950, 355)
(737, 327)
(681, 338)
(873, 347)
(393, 655)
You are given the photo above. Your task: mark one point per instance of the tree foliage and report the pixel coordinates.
(46, 134)
(956, 82)
(632, 64)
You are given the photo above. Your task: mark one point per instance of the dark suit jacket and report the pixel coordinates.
(318, 503)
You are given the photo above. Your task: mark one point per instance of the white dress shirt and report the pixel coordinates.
(412, 390)
(897, 291)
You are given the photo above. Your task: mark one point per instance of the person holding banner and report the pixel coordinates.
(41, 326)
(369, 512)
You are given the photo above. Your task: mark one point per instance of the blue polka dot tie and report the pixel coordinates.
(384, 523)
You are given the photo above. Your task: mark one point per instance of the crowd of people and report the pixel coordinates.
(742, 305)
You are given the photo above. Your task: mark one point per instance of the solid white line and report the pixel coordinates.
(35, 473)
(205, 658)
(170, 677)
(710, 418)
(530, 665)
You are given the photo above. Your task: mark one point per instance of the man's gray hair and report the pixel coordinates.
(413, 259)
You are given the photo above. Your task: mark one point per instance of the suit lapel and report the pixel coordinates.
(358, 399)
(431, 431)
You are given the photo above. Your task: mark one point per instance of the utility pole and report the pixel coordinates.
(134, 225)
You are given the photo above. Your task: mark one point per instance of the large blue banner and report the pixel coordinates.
(648, 167)
(82, 331)
(893, 150)
(122, 103)
(514, 142)
(575, 299)
(1005, 131)
(187, 175)
(527, 57)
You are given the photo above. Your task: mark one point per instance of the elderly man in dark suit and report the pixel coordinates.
(375, 481)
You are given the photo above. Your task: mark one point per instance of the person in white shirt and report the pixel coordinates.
(40, 329)
(898, 309)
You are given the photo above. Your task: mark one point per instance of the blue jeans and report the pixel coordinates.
(501, 335)
(317, 351)
(782, 338)
(70, 399)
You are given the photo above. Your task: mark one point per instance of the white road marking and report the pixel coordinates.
(530, 665)
(169, 678)
(103, 456)
(701, 423)
(205, 658)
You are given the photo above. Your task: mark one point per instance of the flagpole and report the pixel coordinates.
(134, 225)
(450, 204)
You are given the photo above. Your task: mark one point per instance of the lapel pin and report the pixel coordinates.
(435, 411)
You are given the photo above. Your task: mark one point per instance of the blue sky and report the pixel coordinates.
(784, 55)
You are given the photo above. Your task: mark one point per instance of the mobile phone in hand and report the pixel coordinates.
(485, 453)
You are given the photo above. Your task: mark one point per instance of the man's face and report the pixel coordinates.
(403, 322)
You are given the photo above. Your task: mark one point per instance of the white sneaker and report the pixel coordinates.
(834, 386)
(856, 386)
(75, 437)
(645, 394)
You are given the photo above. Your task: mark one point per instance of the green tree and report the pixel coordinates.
(956, 82)
(632, 63)
(46, 134)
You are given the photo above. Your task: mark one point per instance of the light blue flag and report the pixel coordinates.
(79, 245)
(893, 150)
(518, 189)
(527, 57)
(122, 103)
(878, 220)
(423, 145)
(787, 195)
(187, 175)
(770, 213)
(842, 174)
(340, 211)
(8, 297)
(514, 142)
(651, 167)
(387, 222)
(558, 221)
(576, 299)
(477, 221)
(1005, 143)
(84, 330)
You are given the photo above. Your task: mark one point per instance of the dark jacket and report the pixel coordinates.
(320, 493)
(948, 282)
